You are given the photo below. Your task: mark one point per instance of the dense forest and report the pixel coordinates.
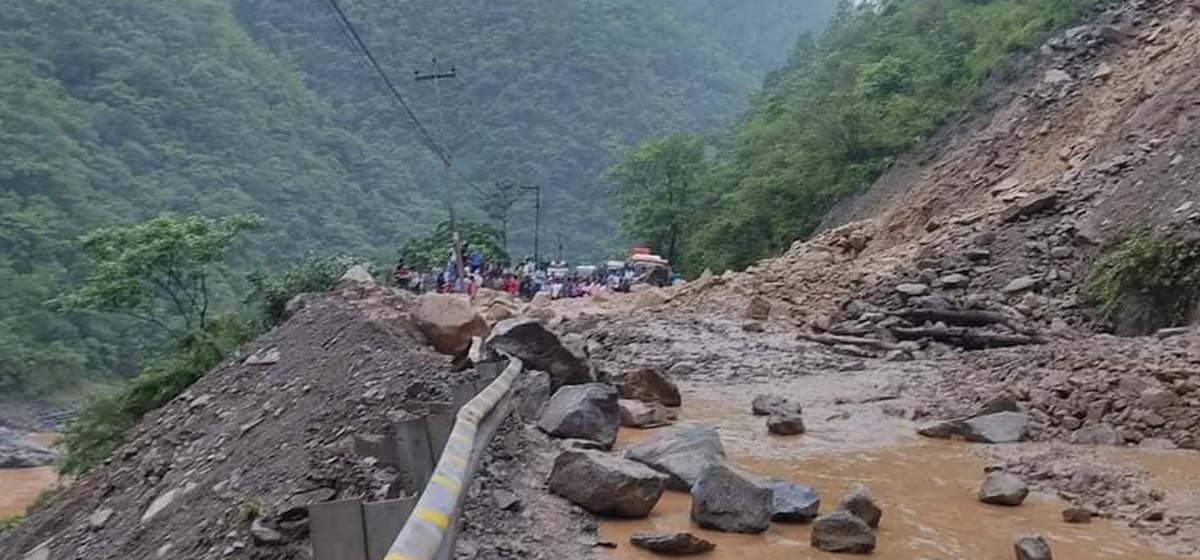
(114, 111)
(882, 77)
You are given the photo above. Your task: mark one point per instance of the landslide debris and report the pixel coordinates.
(225, 469)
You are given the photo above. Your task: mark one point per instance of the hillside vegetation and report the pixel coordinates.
(881, 79)
(112, 112)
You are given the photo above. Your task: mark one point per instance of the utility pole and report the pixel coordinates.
(436, 76)
(537, 220)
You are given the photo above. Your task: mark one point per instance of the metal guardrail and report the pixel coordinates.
(424, 536)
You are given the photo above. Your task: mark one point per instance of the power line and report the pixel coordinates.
(430, 142)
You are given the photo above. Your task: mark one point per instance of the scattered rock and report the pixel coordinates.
(647, 385)
(785, 423)
(1077, 515)
(40, 552)
(954, 280)
(448, 321)
(1032, 547)
(842, 531)
(671, 544)
(264, 357)
(1021, 284)
(159, 504)
(1056, 77)
(765, 405)
(726, 499)
(1001, 427)
(754, 327)
(1029, 206)
(759, 309)
(862, 505)
(584, 412)
(913, 289)
(1095, 434)
(540, 349)
(792, 502)
(99, 518)
(358, 274)
(607, 485)
(638, 414)
(264, 535)
(682, 454)
(1003, 489)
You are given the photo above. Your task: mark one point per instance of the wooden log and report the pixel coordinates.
(967, 338)
(835, 340)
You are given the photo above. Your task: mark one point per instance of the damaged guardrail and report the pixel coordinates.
(429, 533)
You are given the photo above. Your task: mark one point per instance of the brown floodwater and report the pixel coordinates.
(926, 488)
(20, 487)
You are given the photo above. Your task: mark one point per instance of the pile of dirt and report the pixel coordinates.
(1093, 140)
(225, 470)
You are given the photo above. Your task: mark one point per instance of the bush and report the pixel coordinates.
(1146, 283)
(101, 425)
(314, 274)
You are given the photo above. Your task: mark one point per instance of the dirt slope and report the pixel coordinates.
(250, 441)
(1095, 137)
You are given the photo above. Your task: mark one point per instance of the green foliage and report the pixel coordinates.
(1146, 283)
(433, 251)
(655, 190)
(881, 79)
(157, 271)
(315, 274)
(101, 425)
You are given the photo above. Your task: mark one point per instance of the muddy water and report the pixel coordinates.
(927, 489)
(20, 487)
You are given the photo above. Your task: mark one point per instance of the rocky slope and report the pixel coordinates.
(225, 469)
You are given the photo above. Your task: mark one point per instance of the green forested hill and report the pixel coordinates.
(115, 110)
(547, 90)
(112, 111)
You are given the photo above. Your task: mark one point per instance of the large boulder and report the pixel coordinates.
(861, 504)
(726, 499)
(1003, 489)
(1095, 434)
(792, 502)
(1032, 547)
(759, 309)
(17, 452)
(767, 404)
(538, 348)
(648, 385)
(606, 485)
(448, 321)
(1000, 427)
(671, 544)
(842, 531)
(682, 454)
(583, 412)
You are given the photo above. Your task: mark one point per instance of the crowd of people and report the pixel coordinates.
(525, 279)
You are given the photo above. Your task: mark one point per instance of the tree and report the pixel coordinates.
(497, 201)
(656, 191)
(432, 251)
(157, 271)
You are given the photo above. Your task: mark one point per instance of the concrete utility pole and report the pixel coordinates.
(537, 219)
(436, 76)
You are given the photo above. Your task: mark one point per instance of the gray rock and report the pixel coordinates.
(40, 552)
(159, 504)
(1032, 547)
(784, 423)
(358, 274)
(1003, 489)
(792, 502)
(1021, 284)
(764, 405)
(606, 485)
(954, 280)
(1078, 515)
(584, 412)
(1157, 398)
(754, 327)
(1095, 434)
(913, 289)
(682, 454)
(531, 393)
(99, 518)
(264, 535)
(540, 349)
(759, 309)
(671, 544)
(638, 414)
(264, 357)
(1000, 427)
(648, 385)
(726, 499)
(842, 531)
(862, 505)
